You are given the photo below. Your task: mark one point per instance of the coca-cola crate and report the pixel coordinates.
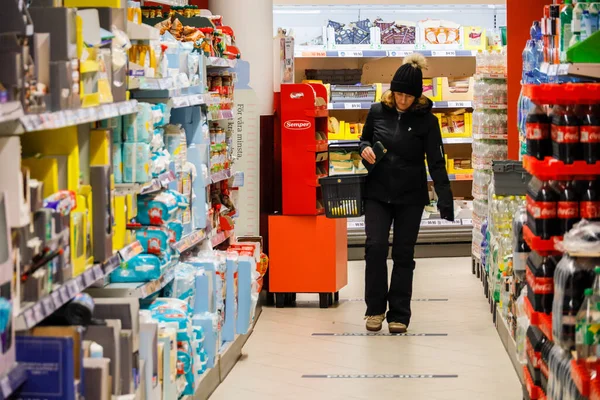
(541, 246)
(562, 94)
(510, 178)
(581, 375)
(553, 169)
(533, 392)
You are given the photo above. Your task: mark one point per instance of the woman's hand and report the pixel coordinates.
(369, 155)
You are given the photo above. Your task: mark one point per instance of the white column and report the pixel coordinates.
(252, 22)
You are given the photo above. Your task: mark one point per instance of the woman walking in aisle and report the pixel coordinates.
(396, 190)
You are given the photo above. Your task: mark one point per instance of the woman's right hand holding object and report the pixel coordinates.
(369, 155)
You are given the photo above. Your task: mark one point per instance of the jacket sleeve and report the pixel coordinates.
(436, 163)
(366, 139)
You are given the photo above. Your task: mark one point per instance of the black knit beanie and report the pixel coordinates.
(408, 78)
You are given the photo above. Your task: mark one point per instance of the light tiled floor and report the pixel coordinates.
(282, 347)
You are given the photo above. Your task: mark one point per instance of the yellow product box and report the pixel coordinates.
(336, 129)
(353, 131)
(432, 88)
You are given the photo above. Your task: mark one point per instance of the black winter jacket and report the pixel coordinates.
(400, 177)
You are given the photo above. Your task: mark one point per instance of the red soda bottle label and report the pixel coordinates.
(542, 209)
(590, 210)
(536, 131)
(539, 285)
(590, 134)
(568, 209)
(565, 134)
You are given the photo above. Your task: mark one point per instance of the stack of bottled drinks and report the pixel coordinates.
(489, 141)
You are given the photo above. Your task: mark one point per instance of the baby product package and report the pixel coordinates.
(160, 209)
(116, 126)
(117, 162)
(136, 163)
(141, 268)
(154, 239)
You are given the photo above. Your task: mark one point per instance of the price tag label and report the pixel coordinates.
(563, 69)
(553, 70)
(81, 282)
(196, 99)
(356, 225)
(467, 222)
(399, 53)
(150, 84)
(354, 53)
(459, 104)
(352, 106)
(38, 313)
(29, 319)
(72, 288)
(97, 273)
(56, 298)
(311, 54)
(48, 305)
(443, 53)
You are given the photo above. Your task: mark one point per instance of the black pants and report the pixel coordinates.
(378, 220)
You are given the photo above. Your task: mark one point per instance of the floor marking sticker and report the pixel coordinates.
(379, 334)
(422, 300)
(380, 376)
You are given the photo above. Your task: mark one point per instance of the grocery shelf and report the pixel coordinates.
(455, 177)
(553, 169)
(217, 115)
(220, 176)
(566, 93)
(32, 314)
(189, 241)
(491, 76)
(154, 185)
(208, 382)
(10, 382)
(509, 343)
(220, 237)
(130, 251)
(11, 111)
(62, 119)
(217, 62)
(534, 392)
(139, 290)
(366, 105)
(490, 137)
(159, 94)
(381, 53)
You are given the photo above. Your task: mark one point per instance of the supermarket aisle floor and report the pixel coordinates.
(282, 349)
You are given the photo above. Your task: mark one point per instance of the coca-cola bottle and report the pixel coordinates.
(565, 134)
(537, 133)
(590, 134)
(568, 207)
(542, 204)
(589, 204)
(540, 282)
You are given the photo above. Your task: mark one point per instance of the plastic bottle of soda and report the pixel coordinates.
(589, 204)
(537, 133)
(542, 204)
(590, 134)
(568, 207)
(565, 134)
(540, 282)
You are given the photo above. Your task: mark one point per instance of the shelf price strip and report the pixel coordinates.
(380, 376)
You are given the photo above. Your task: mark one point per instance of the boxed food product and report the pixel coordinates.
(436, 31)
(458, 89)
(475, 38)
(397, 32)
